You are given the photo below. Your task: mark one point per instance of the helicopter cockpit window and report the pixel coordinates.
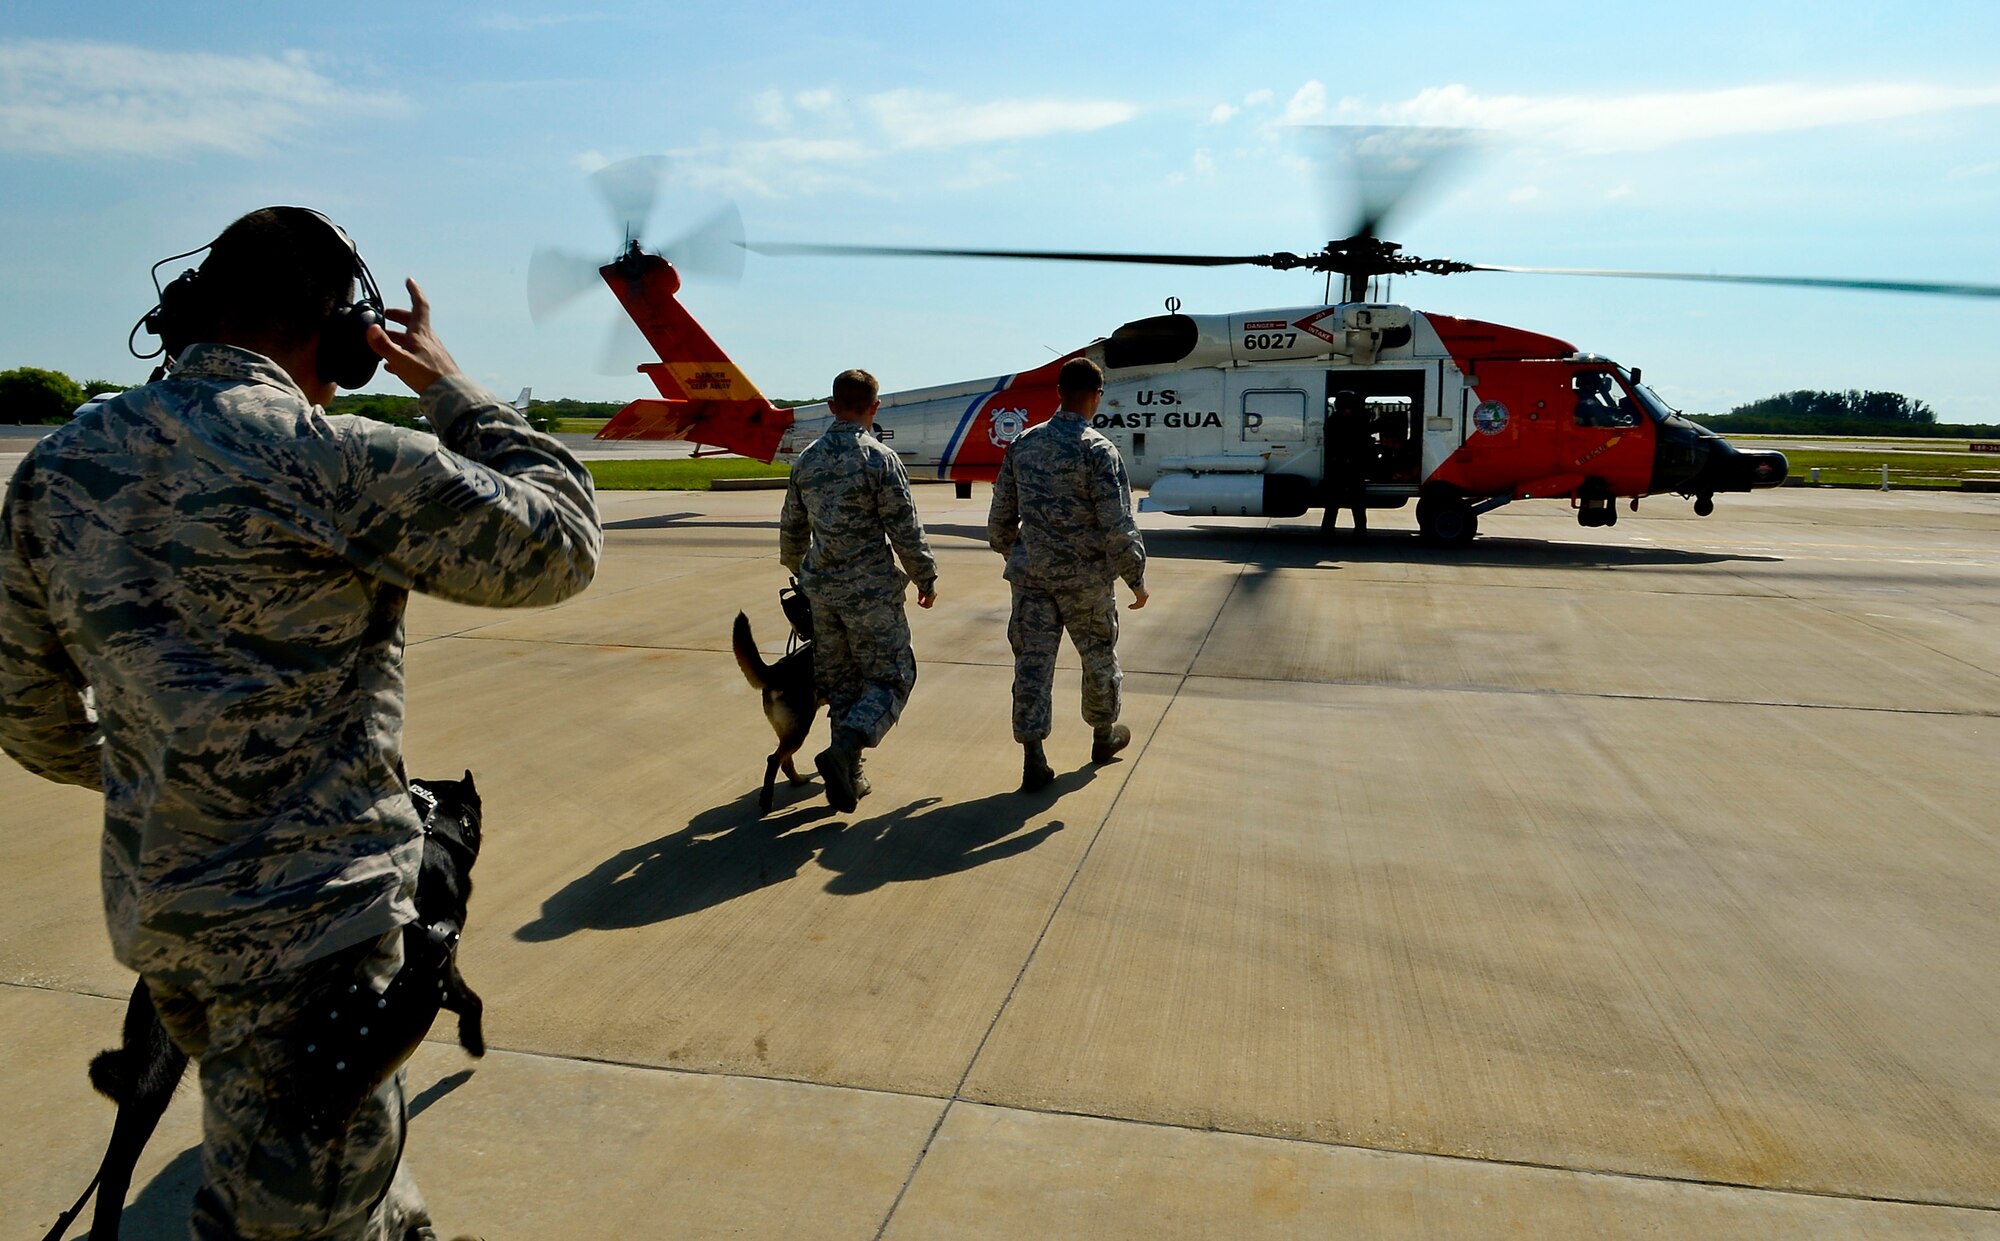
(1601, 401)
(1152, 342)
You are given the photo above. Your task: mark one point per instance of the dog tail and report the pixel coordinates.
(755, 670)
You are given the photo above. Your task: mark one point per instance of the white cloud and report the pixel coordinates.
(1524, 194)
(779, 167)
(825, 142)
(1308, 103)
(1600, 125)
(1257, 98)
(62, 97)
(1222, 112)
(770, 110)
(1203, 163)
(915, 119)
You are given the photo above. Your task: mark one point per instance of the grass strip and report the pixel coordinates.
(682, 475)
(1906, 469)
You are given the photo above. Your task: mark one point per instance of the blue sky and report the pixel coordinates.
(1800, 139)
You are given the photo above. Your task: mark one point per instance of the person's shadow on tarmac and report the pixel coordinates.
(929, 838)
(730, 851)
(720, 855)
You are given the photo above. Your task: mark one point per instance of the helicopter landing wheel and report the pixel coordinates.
(1447, 520)
(1704, 505)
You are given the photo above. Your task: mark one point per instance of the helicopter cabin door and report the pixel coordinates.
(1390, 443)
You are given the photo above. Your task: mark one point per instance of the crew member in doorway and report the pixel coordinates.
(1350, 449)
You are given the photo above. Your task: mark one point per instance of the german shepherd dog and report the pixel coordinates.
(791, 701)
(142, 1073)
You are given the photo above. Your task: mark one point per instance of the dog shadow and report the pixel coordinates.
(929, 838)
(721, 854)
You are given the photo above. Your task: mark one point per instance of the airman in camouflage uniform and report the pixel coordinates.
(1062, 516)
(202, 587)
(847, 505)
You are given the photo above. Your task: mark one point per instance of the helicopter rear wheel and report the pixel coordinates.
(1447, 520)
(1704, 505)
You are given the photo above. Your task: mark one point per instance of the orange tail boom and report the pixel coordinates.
(706, 399)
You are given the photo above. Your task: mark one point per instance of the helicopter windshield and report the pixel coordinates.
(1652, 402)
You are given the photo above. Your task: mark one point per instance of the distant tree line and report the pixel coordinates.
(1840, 413)
(30, 395)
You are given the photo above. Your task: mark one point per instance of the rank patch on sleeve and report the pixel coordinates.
(466, 488)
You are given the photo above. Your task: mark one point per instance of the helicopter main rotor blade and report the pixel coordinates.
(556, 278)
(1378, 169)
(1802, 282)
(782, 248)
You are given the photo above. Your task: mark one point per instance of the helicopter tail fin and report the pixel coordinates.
(707, 400)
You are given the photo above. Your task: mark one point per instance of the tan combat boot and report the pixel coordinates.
(1108, 740)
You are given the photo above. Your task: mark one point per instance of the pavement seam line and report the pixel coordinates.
(1170, 1126)
(1607, 695)
(958, 1090)
(1441, 687)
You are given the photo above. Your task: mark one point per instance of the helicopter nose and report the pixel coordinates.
(1759, 469)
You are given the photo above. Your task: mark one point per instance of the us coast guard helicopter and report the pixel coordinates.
(1227, 414)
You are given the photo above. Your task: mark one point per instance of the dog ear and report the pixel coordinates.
(468, 781)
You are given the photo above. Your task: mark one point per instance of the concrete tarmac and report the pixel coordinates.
(1611, 883)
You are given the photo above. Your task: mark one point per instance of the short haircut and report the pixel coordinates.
(854, 391)
(280, 270)
(1079, 376)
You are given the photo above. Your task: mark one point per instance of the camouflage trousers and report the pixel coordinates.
(264, 1176)
(862, 659)
(1090, 615)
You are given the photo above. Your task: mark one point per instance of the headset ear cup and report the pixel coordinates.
(345, 355)
(182, 316)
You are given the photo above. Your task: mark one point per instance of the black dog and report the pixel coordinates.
(141, 1074)
(790, 701)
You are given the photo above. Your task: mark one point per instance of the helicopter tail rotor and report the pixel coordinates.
(630, 193)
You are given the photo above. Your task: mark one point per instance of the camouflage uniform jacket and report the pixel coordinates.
(1062, 510)
(201, 614)
(847, 492)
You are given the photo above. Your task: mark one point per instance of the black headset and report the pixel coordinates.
(184, 312)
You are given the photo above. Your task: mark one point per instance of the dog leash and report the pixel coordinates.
(68, 1217)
